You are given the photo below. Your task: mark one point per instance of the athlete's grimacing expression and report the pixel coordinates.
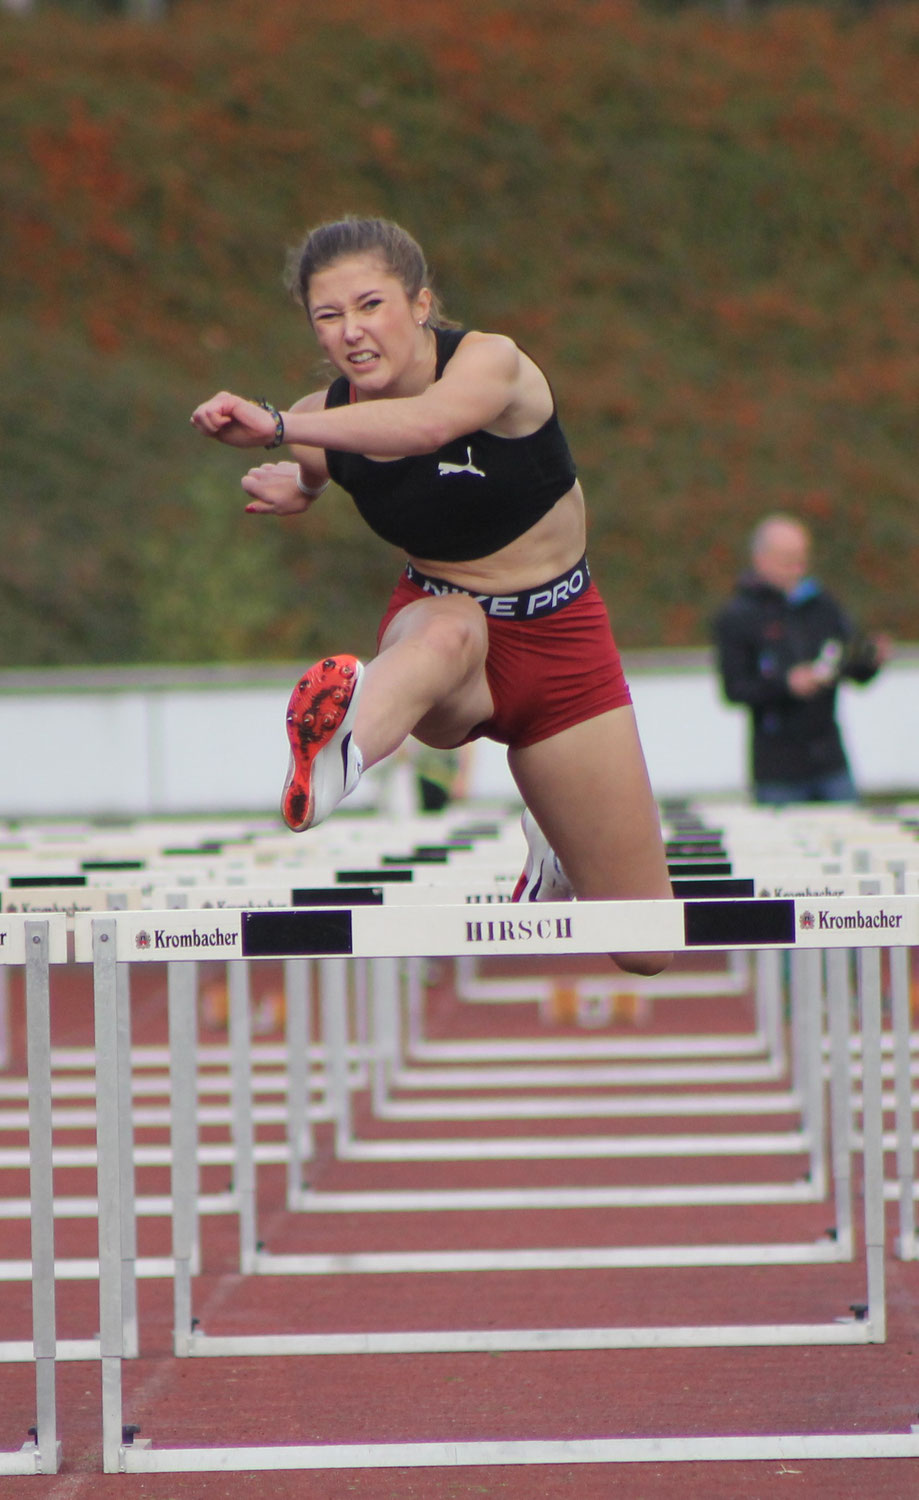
(367, 325)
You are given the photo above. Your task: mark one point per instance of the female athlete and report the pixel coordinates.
(449, 443)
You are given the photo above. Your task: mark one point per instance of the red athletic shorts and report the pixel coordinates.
(545, 674)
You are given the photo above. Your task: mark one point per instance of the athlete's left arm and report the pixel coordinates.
(486, 382)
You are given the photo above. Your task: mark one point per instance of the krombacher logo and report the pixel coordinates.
(518, 930)
(782, 893)
(853, 921)
(193, 939)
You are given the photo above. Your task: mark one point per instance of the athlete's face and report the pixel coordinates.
(366, 324)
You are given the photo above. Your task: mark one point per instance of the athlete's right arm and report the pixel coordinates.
(286, 489)
(482, 386)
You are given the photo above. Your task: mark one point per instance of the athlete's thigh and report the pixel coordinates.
(589, 791)
(454, 617)
(450, 632)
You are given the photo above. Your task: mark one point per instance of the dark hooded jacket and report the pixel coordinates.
(760, 634)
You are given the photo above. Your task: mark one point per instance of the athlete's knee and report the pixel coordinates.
(457, 634)
(643, 963)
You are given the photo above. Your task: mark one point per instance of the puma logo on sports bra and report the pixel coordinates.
(467, 468)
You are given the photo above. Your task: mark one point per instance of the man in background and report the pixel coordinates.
(783, 645)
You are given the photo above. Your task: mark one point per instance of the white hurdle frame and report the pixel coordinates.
(593, 927)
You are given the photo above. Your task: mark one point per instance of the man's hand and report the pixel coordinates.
(806, 679)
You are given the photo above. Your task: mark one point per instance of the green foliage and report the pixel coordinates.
(707, 232)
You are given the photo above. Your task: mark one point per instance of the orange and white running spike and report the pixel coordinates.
(325, 764)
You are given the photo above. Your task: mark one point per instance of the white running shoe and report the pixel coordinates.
(325, 764)
(543, 877)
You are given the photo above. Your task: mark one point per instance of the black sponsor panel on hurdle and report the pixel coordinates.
(303, 933)
(98, 865)
(337, 895)
(757, 923)
(417, 857)
(695, 849)
(700, 867)
(712, 887)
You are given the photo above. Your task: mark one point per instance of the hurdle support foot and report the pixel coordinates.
(35, 1459)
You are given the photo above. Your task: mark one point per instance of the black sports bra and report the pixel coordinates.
(466, 500)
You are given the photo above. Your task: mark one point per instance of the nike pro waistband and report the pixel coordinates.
(530, 604)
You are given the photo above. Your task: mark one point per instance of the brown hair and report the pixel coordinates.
(402, 256)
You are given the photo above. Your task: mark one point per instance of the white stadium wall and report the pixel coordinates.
(158, 741)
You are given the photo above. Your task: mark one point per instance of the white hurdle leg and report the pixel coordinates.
(812, 963)
(298, 974)
(243, 1123)
(333, 978)
(839, 1010)
(769, 997)
(384, 974)
(44, 1338)
(4, 1021)
(807, 1057)
(869, 989)
(109, 1174)
(128, 1214)
(414, 1010)
(906, 1163)
(182, 1001)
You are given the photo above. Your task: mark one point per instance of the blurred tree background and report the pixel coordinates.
(705, 227)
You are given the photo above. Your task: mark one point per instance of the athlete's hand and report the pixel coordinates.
(273, 490)
(233, 420)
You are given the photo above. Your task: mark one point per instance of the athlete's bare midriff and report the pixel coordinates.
(547, 550)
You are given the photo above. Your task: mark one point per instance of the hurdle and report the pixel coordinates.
(335, 938)
(34, 946)
(810, 1139)
(239, 896)
(243, 1149)
(244, 1153)
(34, 896)
(259, 1261)
(253, 897)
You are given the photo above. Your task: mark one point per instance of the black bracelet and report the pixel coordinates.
(272, 411)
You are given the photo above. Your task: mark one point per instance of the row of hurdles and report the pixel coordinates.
(792, 914)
